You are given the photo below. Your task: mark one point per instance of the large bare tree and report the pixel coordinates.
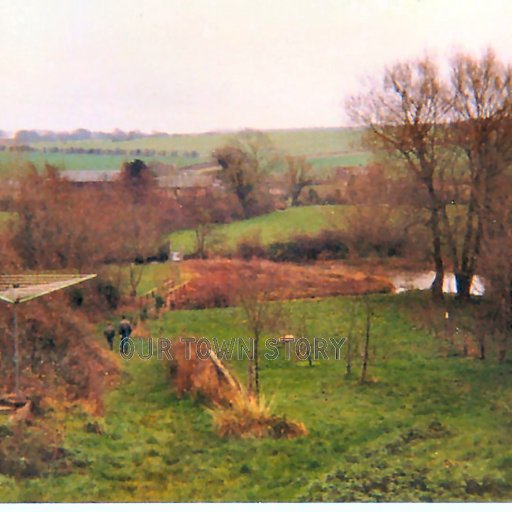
(298, 176)
(246, 162)
(481, 127)
(405, 116)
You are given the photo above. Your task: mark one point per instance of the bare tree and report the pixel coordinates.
(366, 352)
(246, 161)
(298, 176)
(405, 117)
(482, 129)
(351, 340)
(261, 314)
(135, 273)
(496, 267)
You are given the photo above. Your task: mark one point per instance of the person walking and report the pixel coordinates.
(109, 333)
(125, 329)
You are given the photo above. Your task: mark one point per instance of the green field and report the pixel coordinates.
(152, 275)
(429, 427)
(296, 142)
(266, 229)
(325, 148)
(73, 162)
(322, 164)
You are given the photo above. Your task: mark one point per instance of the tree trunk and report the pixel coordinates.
(348, 366)
(482, 347)
(253, 372)
(463, 285)
(437, 284)
(256, 371)
(366, 344)
(250, 376)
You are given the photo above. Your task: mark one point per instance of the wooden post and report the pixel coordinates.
(367, 340)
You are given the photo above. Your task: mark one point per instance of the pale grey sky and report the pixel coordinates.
(200, 65)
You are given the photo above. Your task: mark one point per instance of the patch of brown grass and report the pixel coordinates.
(60, 358)
(216, 281)
(245, 417)
(235, 412)
(198, 377)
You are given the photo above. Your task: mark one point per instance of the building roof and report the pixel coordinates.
(212, 166)
(90, 176)
(17, 288)
(190, 178)
(199, 175)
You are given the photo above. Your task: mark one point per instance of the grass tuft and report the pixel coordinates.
(249, 418)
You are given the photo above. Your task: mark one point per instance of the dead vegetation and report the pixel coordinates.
(217, 281)
(247, 417)
(59, 357)
(235, 412)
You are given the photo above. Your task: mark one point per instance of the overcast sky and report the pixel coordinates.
(199, 65)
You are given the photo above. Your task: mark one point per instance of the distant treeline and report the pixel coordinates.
(81, 134)
(25, 148)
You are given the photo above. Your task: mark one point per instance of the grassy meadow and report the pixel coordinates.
(151, 275)
(277, 226)
(304, 142)
(74, 162)
(427, 427)
(326, 148)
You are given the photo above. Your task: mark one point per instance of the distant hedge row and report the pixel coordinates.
(23, 148)
(326, 245)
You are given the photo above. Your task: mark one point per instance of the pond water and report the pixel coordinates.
(405, 281)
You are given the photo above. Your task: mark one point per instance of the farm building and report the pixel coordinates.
(192, 181)
(90, 178)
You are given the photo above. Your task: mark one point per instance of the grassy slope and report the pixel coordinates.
(269, 228)
(325, 163)
(307, 141)
(284, 225)
(153, 274)
(157, 447)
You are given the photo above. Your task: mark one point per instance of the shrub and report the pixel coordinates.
(246, 417)
(247, 250)
(327, 244)
(376, 231)
(29, 452)
(235, 413)
(218, 291)
(58, 357)
(198, 377)
(159, 302)
(109, 292)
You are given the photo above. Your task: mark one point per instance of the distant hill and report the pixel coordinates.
(325, 147)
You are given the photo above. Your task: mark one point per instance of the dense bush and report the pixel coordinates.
(109, 292)
(325, 245)
(28, 452)
(379, 231)
(247, 250)
(58, 357)
(95, 296)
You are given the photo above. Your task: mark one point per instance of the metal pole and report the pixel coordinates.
(16, 354)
